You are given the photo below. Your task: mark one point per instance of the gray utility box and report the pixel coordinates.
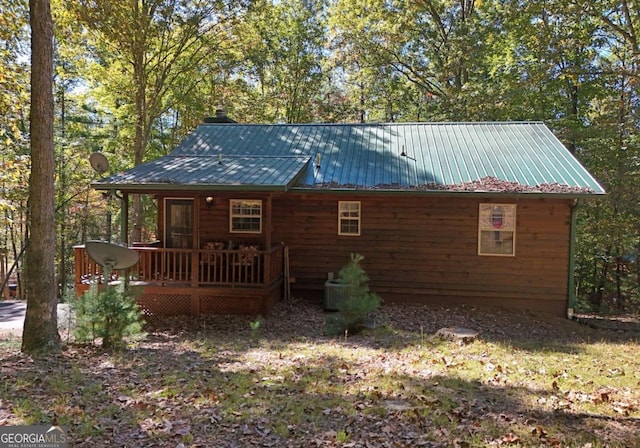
(334, 293)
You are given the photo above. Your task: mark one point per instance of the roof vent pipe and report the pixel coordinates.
(318, 160)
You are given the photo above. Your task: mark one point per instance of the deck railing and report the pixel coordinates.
(242, 268)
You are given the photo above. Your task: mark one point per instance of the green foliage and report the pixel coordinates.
(111, 314)
(254, 327)
(342, 436)
(282, 54)
(357, 303)
(15, 161)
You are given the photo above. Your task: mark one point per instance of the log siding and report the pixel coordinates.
(425, 248)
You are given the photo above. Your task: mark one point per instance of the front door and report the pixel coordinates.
(179, 223)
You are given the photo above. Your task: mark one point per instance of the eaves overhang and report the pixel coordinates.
(151, 187)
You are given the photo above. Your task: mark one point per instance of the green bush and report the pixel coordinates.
(358, 302)
(111, 314)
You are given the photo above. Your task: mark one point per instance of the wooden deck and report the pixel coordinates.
(198, 281)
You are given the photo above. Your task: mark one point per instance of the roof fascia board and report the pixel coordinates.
(146, 188)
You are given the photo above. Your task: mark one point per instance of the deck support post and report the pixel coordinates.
(124, 219)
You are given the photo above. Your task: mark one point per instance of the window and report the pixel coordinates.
(245, 216)
(497, 229)
(178, 223)
(349, 218)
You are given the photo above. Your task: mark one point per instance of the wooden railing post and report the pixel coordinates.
(195, 276)
(195, 268)
(78, 255)
(267, 267)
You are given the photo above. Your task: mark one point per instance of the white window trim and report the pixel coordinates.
(484, 225)
(231, 215)
(358, 218)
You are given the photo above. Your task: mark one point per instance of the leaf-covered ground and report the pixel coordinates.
(527, 380)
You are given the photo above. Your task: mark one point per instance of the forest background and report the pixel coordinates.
(133, 77)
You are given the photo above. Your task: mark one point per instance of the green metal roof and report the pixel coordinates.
(190, 171)
(520, 157)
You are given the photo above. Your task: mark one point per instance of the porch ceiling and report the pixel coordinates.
(194, 172)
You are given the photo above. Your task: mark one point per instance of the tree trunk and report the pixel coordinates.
(40, 333)
(140, 140)
(62, 189)
(618, 303)
(600, 280)
(139, 144)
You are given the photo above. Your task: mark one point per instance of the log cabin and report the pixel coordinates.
(469, 213)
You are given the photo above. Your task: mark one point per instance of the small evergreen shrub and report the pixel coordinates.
(358, 302)
(111, 314)
(254, 327)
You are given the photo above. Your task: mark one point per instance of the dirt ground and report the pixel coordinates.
(410, 317)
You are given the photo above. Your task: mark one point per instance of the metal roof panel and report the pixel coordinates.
(263, 171)
(366, 156)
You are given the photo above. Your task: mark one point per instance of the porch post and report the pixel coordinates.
(124, 219)
(267, 243)
(268, 224)
(195, 258)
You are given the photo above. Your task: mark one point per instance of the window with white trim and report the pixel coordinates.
(245, 216)
(349, 218)
(497, 230)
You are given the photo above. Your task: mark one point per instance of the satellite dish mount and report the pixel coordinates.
(99, 162)
(111, 256)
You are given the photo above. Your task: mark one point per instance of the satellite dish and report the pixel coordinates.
(111, 256)
(99, 162)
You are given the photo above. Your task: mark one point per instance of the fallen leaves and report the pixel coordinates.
(601, 396)
(510, 438)
(205, 382)
(539, 432)
(488, 184)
